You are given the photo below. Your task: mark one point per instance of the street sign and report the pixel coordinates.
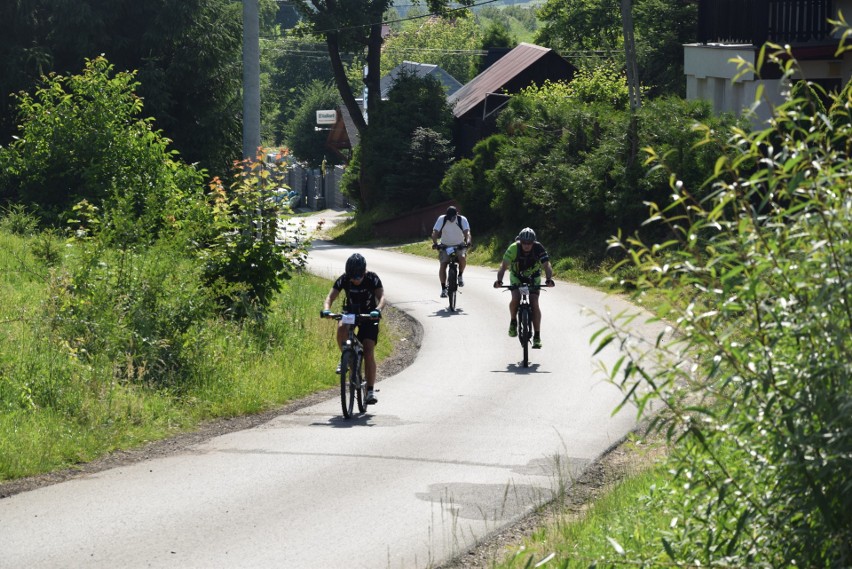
(326, 117)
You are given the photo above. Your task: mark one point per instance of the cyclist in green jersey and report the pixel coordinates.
(525, 259)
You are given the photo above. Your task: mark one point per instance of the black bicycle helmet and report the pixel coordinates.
(451, 213)
(526, 234)
(356, 266)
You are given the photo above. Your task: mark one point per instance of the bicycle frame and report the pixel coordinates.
(525, 316)
(452, 273)
(353, 386)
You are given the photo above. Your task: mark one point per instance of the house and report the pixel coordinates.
(450, 83)
(738, 28)
(476, 105)
(343, 136)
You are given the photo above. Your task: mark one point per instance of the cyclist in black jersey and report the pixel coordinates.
(525, 259)
(364, 295)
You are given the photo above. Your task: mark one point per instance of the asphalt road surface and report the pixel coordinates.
(462, 442)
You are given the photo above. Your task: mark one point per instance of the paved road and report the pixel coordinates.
(461, 442)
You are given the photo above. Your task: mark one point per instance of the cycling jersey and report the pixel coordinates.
(525, 267)
(452, 232)
(360, 298)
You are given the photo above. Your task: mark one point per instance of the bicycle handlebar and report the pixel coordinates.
(442, 246)
(519, 285)
(340, 315)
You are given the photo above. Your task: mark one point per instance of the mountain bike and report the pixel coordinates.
(452, 272)
(353, 386)
(525, 316)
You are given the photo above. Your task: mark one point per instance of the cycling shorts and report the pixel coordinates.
(445, 258)
(368, 331)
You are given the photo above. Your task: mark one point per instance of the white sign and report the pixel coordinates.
(326, 117)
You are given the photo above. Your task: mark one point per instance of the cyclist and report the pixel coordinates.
(364, 294)
(525, 258)
(453, 230)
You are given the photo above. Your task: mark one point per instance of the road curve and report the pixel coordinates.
(462, 442)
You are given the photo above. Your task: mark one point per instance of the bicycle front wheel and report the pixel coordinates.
(525, 332)
(347, 385)
(360, 386)
(452, 286)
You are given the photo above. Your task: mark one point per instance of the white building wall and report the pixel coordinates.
(710, 71)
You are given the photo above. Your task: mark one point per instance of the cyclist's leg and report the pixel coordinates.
(443, 259)
(369, 335)
(342, 334)
(462, 261)
(370, 363)
(513, 305)
(536, 320)
(536, 312)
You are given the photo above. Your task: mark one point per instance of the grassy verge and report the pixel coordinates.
(61, 405)
(610, 528)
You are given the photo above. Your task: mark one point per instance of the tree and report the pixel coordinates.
(82, 139)
(298, 61)
(413, 102)
(449, 43)
(661, 27)
(356, 25)
(580, 25)
(187, 55)
(304, 141)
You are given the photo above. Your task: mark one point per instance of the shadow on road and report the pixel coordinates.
(445, 312)
(518, 369)
(339, 422)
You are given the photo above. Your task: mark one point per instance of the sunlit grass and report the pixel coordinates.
(606, 532)
(60, 406)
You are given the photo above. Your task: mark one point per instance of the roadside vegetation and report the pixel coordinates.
(140, 295)
(753, 394)
(139, 300)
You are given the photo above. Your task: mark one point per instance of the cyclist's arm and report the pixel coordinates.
(435, 236)
(380, 299)
(548, 270)
(502, 270)
(329, 300)
(467, 237)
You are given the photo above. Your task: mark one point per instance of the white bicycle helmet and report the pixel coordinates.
(526, 234)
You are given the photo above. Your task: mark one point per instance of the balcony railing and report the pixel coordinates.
(758, 21)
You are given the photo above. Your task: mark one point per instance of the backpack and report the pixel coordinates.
(458, 222)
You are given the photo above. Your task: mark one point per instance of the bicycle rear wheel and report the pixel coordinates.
(452, 286)
(347, 385)
(525, 332)
(360, 385)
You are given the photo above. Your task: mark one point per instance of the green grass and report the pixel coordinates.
(62, 404)
(607, 532)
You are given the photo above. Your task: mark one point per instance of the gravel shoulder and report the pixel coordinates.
(619, 461)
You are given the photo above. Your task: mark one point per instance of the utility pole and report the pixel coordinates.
(630, 55)
(251, 79)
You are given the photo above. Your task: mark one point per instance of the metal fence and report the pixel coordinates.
(308, 183)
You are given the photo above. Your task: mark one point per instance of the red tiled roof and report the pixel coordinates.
(495, 77)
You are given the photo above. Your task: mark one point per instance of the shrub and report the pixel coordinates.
(756, 384)
(81, 138)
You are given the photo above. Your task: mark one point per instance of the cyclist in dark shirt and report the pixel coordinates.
(525, 258)
(364, 295)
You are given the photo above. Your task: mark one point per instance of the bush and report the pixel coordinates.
(756, 385)
(81, 138)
